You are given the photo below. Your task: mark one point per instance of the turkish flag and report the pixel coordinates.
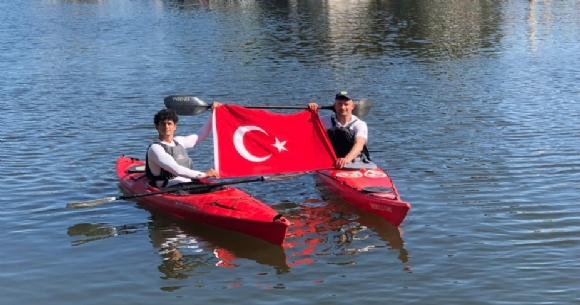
(251, 142)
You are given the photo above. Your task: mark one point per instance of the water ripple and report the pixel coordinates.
(473, 117)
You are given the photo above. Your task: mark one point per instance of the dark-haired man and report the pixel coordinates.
(347, 133)
(167, 161)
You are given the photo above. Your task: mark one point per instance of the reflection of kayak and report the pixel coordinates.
(369, 189)
(189, 238)
(228, 208)
(332, 226)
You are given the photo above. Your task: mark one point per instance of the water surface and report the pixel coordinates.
(474, 116)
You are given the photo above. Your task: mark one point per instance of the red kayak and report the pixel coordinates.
(228, 208)
(369, 189)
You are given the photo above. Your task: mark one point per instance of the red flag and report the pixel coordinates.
(250, 142)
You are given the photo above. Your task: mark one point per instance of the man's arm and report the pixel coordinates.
(159, 156)
(193, 139)
(198, 137)
(361, 135)
(357, 148)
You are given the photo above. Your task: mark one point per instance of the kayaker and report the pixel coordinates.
(347, 133)
(167, 161)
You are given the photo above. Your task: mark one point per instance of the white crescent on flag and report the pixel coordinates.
(239, 143)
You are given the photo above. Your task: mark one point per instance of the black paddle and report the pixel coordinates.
(97, 202)
(191, 105)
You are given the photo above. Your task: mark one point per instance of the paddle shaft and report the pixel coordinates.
(286, 107)
(191, 105)
(192, 102)
(101, 201)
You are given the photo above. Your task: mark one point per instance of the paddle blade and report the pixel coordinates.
(89, 203)
(185, 104)
(362, 108)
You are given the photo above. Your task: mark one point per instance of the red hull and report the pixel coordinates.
(230, 208)
(371, 190)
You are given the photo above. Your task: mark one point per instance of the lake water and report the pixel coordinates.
(475, 117)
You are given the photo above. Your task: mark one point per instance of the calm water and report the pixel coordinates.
(475, 117)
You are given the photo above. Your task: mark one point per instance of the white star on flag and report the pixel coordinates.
(280, 145)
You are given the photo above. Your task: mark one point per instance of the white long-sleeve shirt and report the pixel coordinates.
(158, 158)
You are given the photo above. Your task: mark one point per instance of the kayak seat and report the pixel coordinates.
(140, 168)
(358, 164)
(207, 189)
(203, 188)
(380, 191)
(377, 189)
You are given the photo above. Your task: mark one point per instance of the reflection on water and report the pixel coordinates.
(473, 113)
(318, 229)
(447, 29)
(334, 227)
(184, 246)
(77, 1)
(88, 232)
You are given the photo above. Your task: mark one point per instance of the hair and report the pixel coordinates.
(165, 114)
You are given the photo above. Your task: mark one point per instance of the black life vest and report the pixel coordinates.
(178, 152)
(342, 140)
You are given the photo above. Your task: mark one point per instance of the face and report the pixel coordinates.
(343, 107)
(166, 128)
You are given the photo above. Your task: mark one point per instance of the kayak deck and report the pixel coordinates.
(369, 189)
(228, 208)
